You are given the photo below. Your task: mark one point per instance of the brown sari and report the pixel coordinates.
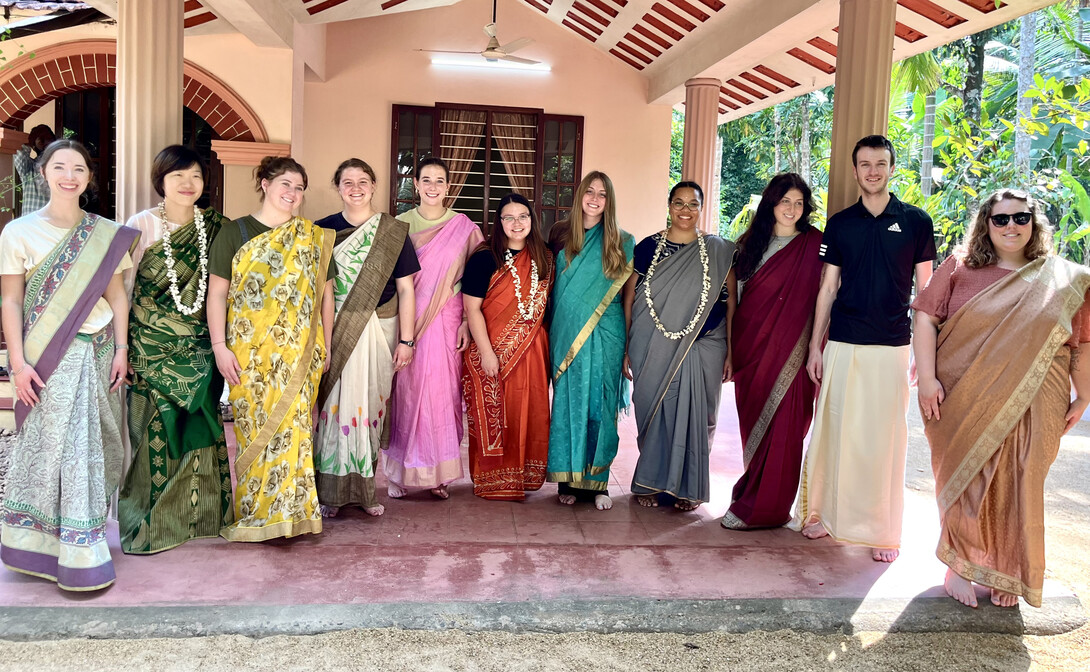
(509, 413)
(1001, 360)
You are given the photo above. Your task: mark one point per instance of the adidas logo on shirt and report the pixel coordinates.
(894, 227)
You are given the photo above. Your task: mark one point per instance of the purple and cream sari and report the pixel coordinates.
(426, 431)
(67, 459)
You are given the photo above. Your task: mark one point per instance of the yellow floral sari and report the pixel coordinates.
(274, 327)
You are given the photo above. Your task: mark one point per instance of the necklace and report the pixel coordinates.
(527, 314)
(172, 274)
(705, 289)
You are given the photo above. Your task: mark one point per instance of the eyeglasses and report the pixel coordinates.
(691, 205)
(1020, 218)
(524, 218)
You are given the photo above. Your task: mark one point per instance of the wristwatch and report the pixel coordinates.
(411, 344)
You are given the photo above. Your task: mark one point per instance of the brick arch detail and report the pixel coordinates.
(53, 71)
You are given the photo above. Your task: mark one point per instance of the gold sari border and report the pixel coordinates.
(986, 576)
(577, 481)
(585, 332)
(783, 383)
(283, 529)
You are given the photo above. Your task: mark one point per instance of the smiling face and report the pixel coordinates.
(789, 210)
(432, 185)
(873, 168)
(594, 202)
(67, 174)
(284, 192)
(1011, 239)
(184, 186)
(684, 209)
(516, 221)
(356, 188)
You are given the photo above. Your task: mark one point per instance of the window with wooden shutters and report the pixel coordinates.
(491, 152)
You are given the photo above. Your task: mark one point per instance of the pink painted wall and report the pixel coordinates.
(371, 64)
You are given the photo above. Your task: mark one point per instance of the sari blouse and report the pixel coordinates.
(954, 284)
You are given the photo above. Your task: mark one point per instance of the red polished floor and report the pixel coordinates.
(467, 549)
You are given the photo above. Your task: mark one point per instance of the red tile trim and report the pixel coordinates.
(772, 74)
(811, 60)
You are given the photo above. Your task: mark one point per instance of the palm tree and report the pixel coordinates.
(921, 75)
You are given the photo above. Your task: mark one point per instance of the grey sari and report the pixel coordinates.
(677, 383)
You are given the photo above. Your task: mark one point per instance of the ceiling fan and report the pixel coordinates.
(493, 51)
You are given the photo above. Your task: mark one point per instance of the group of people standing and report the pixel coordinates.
(363, 334)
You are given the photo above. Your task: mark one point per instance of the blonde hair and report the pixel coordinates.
(613, 256)
(978, 252)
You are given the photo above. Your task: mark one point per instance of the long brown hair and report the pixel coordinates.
(753, 243)
(572, 233)
(978, 251)
(535, 244)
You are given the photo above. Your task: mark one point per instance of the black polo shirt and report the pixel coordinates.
(877, 257)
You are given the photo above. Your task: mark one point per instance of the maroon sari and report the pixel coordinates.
(773, 393)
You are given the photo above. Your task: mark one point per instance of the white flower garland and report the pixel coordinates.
(172, 275)
(705, 289)
(527, 314)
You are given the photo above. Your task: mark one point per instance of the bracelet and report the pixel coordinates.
(121, 346)
(218, 343)
(16, 373)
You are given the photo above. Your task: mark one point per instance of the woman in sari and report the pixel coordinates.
(270, 314)
(683, 281)
(998, 333)
(587, 342)
(506, 380)
(779, 272)
(65, 315)
(179, 484)
(373, 299)
(426, 435)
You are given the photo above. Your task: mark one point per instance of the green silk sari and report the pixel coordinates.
(586, 342)
(179, 485)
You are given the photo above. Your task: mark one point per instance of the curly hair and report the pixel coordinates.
(978, 252)
(754, 241)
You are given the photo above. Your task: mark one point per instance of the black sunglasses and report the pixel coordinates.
(1020, 218)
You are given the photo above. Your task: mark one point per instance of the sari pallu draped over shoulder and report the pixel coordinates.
(354, 393)
(67, 457)
(426, 431)
(509, 413)
(586, 344)
(179, 484)
(274, 328)
(774, 394)
(1002, 361)
(677, 383)
(61, 291)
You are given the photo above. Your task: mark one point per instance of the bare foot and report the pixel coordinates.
(328, 511)
(603, 502)
(815, 530)
(1003, 599)
(884, 554)
(376, 510)
(567, 500)
(686, 505)
(440, 492)
(959, 588)
(649, 501)
(394, 490)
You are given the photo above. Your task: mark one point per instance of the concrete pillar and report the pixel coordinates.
(149, 95)
(239, 159)
(698, 160)
(864, 65)
(10, 142)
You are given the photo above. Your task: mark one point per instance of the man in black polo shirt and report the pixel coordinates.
(853, 478)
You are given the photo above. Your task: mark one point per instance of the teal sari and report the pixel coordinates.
(586, 342)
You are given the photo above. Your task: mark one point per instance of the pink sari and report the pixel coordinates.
(426, 429)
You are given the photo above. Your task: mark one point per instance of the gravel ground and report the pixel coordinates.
(1068, 549)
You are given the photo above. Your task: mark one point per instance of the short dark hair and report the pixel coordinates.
(687, 184)
(432, 161)
(172, 158)
(41, 130)
(353, 163)
(876, 142)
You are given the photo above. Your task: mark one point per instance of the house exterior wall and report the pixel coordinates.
(372, 64)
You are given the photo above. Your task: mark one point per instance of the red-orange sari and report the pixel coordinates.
(509, 414)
